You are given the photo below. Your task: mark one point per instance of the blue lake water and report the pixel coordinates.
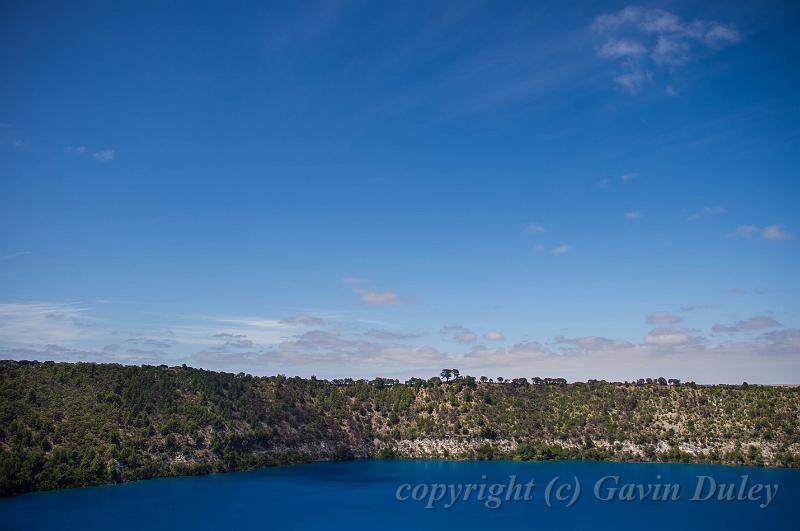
(363, 495)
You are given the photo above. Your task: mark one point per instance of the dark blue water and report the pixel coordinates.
(362, 495)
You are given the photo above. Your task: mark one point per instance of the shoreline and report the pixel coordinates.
(377, 459)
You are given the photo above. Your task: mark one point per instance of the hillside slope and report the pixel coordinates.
(65, 425)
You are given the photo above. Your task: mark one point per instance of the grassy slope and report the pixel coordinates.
(65, 425)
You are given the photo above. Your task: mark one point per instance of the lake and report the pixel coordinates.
(425, 494)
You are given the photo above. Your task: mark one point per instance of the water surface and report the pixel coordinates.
(363, 495)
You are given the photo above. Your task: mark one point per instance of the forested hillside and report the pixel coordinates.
(65, 425)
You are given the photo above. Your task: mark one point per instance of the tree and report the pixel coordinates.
(446, 374)
(484, 379)
(500, 379)
(456, 374)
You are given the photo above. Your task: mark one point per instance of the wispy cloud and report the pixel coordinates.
(754, 323)
(460, 334)
(375, 297)
(621, 48)
(633, 215)
(706, 212)
(105, 155)
(641, 40)
(156, 343)
(663, 318)
(304, 320)
(35, 322)
(12, 256)
(254, 322)
(624, 178)
(379, 333)
(269, 346)
(695, 307)
(592, 343)
(494, 335)
(776, 232)
(535, 229)
(561, 249)
(770, 232)
(306, 25)
(354, 280)
(671, 336)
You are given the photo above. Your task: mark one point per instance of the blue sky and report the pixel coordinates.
(357, 189)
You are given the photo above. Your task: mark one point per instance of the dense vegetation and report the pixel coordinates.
(65, 425)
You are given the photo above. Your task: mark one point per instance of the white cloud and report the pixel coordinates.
(371, 296)
(535, 229)
(494, 336)
(633, 215)
(663, 318)
(561, 249)
(759, 322)
(304, 320)
(460, 334)
(17, 254)
(746, 231)
(625, 177)
(670, 336)
(105, 155)
(379, 333)
(34, 322)
(719, 35)
(466, 337)
(209, 331)
(694, 307)
(267, 346)
(354, 280)
(592, 343)
(706, 212)
(156, 343)
(641, 40)
(671, 50)
(255, 322)
(78, 150)
(773, 232)
(619, 48)
(776, 232)
(633, 80)
(755, 291)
